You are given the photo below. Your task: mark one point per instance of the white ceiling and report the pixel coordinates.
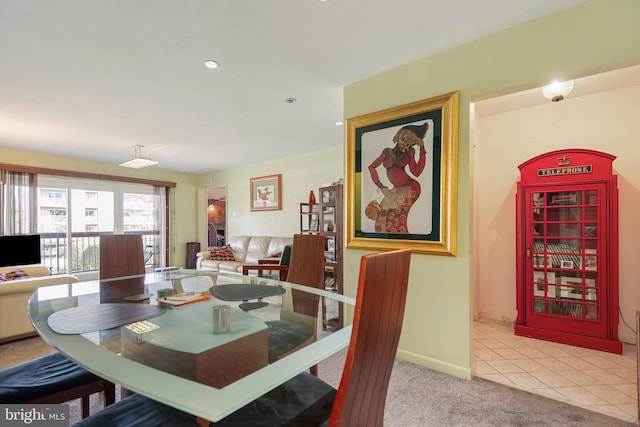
(91, 79)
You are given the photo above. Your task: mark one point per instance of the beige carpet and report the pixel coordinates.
(417, 397)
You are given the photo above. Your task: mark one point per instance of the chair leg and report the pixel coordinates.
(109, 390)
(109, 393)
(85, 406)
(314, 370)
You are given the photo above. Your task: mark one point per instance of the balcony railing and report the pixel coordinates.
(84, 250)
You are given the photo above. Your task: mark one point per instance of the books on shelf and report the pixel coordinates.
(329, 283)
(561, 255)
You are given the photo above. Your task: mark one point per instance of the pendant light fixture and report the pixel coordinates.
(138, 162)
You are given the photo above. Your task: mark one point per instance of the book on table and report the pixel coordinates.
(184, 298)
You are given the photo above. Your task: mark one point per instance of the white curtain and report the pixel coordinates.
(19, 202)
(160, 224)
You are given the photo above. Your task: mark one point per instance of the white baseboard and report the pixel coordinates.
(438, 365)
(511, 318)
(628, 338)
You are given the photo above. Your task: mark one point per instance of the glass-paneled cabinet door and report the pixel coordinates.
(567, 249)
(564, 256)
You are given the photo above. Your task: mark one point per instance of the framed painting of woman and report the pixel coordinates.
(401, 177)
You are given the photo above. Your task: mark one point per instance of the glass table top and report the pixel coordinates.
(175, 357)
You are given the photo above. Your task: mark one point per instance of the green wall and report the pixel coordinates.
(300, 174)
(595, 36)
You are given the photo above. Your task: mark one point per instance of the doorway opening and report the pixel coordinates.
(216, 216)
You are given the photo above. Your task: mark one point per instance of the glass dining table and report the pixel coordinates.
(162, 344)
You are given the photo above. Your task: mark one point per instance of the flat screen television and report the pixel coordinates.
(19, 249)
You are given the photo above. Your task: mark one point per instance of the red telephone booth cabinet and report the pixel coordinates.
(567, 249)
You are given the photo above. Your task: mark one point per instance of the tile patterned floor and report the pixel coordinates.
(600, 381)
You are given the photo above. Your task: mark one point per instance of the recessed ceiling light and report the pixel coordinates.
(290, 100)
(210, 63)
(339, 123)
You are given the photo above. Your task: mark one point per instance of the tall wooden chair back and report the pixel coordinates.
(306, 267)
(298, 324)
(380, 302)
(121, 255)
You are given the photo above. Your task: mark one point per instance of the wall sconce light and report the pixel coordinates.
(211, 208)
(556, 91)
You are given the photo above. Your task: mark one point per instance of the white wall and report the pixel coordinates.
(607, 121)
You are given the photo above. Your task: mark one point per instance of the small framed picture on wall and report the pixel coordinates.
(265, 193)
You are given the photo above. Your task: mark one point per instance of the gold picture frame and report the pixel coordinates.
(419, 209)
(266, 193)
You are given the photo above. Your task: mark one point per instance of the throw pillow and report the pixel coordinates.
(222, 253)
(18, 273)
(2, 278)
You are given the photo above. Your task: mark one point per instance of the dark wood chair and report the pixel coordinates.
(305, 400)
(267, 267)
(52, 379)
(298, 323)
(121, 255)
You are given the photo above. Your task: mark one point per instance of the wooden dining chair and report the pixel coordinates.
(306, 400)
(298, 323)
(266, 268)
(121, 255)
(52, 379)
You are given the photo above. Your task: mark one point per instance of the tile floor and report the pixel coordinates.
(600, 381)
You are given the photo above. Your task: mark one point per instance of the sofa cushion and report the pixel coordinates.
(258, 248)
(239, 245)
(210, 264)
(230, 266)
(276, 246)
(222, 253)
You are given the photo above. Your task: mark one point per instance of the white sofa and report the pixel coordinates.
(15, 294)
(247, 250)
